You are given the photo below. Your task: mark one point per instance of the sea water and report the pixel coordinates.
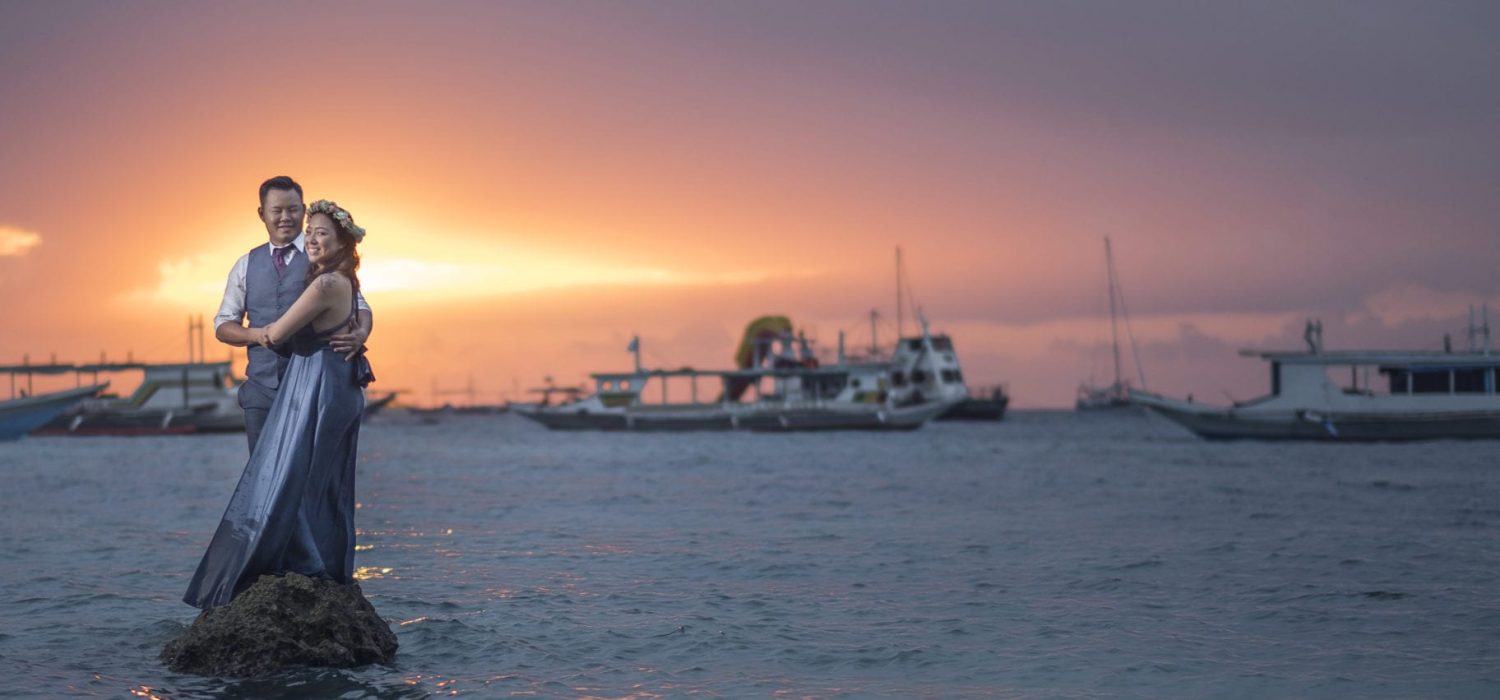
(1049, 555)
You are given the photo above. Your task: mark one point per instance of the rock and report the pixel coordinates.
(282, 621)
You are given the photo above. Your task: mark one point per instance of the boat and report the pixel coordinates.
(373, 407)
(23, 414)
(928, 365)
(1358, 395)
(980, 405)
(778, 386)
(1116, 394)
(172, 399)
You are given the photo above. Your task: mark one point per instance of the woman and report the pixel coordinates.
(293, 510)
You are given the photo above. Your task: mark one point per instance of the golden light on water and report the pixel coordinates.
(366, 573)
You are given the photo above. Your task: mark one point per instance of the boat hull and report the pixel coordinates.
(1330, 426)
(142, 422)
(978, 409)
(1107, 405)
(716, 419)
(21, 416)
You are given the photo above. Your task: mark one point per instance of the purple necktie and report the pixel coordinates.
(278, 258)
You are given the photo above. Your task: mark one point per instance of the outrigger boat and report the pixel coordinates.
(173, 398)
(774, 389)
(1425, 395)
(23, 414)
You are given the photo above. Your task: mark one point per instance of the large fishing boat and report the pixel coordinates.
(778, 385)
(1356, 395)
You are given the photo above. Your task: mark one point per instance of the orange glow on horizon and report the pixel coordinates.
(543, 182)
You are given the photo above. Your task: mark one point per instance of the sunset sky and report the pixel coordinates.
(541, 181)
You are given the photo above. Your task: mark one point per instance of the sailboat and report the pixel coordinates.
(1117, 393)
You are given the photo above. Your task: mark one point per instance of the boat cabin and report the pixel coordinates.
(1382, 373)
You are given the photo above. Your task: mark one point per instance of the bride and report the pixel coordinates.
(293, 510)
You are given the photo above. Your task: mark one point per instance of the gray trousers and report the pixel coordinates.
(256, 399)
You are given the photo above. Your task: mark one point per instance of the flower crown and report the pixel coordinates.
(339, 215)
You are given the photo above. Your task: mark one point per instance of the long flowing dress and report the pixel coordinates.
(293, 510)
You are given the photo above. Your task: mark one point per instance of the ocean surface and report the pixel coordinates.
(1050, 555)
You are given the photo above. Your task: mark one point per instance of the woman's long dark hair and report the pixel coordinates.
(345, 262)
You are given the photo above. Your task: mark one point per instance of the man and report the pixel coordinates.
(262, 285)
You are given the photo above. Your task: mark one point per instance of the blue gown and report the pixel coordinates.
(293, 510)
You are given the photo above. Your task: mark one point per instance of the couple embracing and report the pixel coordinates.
(293, 510)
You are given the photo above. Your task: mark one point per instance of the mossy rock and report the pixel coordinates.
(282, 621)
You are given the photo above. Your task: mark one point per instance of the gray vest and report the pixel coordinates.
(268, 296)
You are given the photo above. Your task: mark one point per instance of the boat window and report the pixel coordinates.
(1398, 377)
(624, 385)
(854, 383)
(1468, 380)
(914, 344)
(1429, 381)
(942, 342)
(952, 376)
(919, 376)
(898, 378)
(829, 386)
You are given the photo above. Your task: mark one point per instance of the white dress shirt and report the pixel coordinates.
(232, 308)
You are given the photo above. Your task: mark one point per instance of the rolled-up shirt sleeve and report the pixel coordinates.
(232, 308)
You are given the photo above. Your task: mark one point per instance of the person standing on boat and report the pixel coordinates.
(262, 285)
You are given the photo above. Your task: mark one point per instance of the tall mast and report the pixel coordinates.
(899, 317)
(1114, 325)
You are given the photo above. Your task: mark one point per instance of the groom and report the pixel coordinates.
(262, 285)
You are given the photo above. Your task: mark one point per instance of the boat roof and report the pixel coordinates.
(55, 368)
(745, 373)
(1394, 358)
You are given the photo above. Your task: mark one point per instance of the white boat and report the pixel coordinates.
(1117, 393)
(1355, 395)
(927, 365)
(781, 387)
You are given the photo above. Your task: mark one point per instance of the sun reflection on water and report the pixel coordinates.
(366, 573)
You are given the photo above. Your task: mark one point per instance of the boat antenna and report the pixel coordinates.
(1484, 315)
(1472, 329)
(874, 344)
